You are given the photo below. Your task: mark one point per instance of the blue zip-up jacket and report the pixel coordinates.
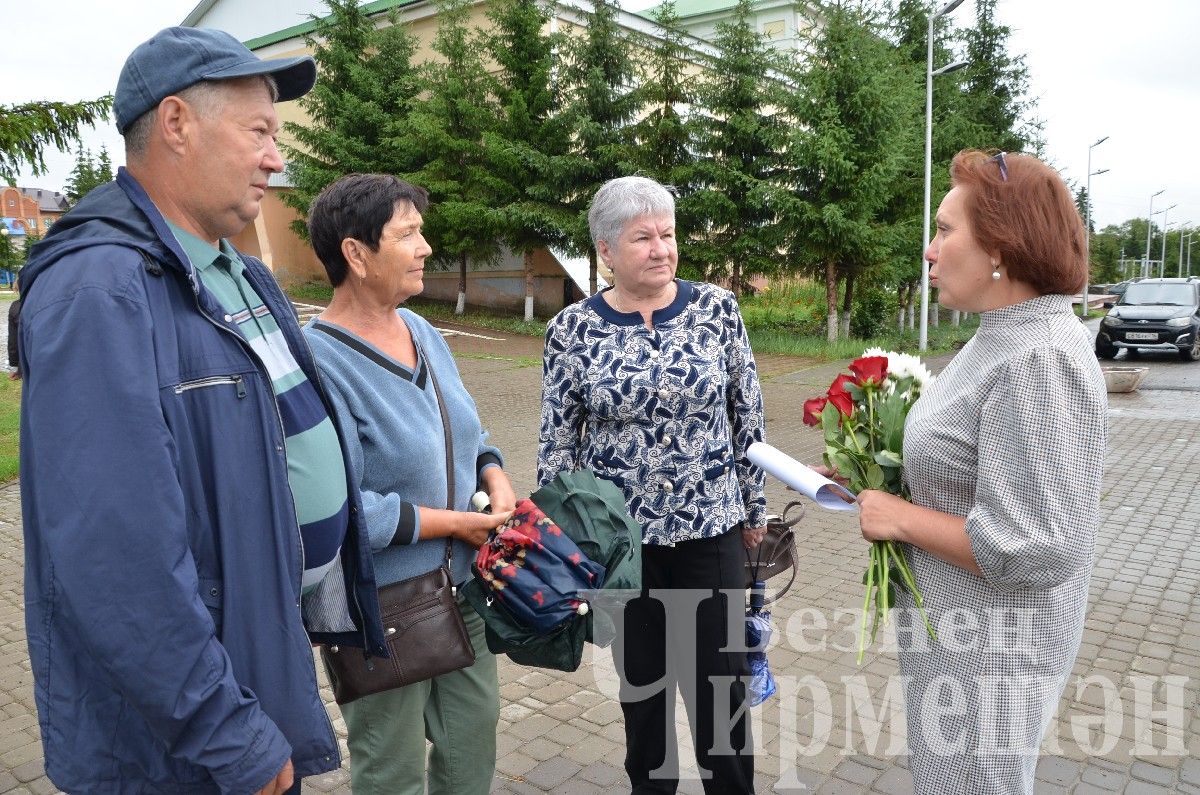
(162, 554)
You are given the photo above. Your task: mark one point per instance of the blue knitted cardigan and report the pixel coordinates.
(389, 416)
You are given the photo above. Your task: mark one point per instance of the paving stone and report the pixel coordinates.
(895, 781)
(1146, 788)
(552, 773)
(1056, 770)
(1154, 774)
(1103, 779)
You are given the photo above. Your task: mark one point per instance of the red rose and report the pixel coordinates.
(839, 397)
(869, 369)
(812, 410)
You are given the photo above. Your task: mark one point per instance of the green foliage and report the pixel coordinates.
(10, 423)
(528, 151)
(359, 107)
(740, 136)
(851, 110)
(601, 107)
(871, 315)
(88, 173)
(997, 83)
(28, 129)
(664, 138)
(446, 132)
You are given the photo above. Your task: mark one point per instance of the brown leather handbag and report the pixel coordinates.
(424, 629)
(776, 553)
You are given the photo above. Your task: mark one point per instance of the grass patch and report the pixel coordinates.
(310, 293)
(786, 320)
(789, 320)
(321, 293)
(10, 427)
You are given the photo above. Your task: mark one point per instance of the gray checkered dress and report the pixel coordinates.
(1012, 436)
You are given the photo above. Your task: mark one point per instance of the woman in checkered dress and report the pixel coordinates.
(1003, 457)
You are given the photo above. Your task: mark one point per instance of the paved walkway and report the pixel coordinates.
(1128, 722)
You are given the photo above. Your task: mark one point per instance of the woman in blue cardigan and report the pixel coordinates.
(375, 362)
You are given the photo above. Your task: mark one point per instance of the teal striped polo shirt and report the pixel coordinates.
(316, 470)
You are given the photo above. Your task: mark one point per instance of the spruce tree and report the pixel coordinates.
(997, 84)
(358, 110)
(528, 151)
(846, 150)
(29, 128)
(602, 105)
(87, 174)
(740, 138)
(910, 30)
(664, 139)
(447, 130)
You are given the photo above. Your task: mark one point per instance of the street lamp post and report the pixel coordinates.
(1179, 266)
(1162, 263)
(1149, 228)
(1189, 268)
(929, 75)
(1087, 230)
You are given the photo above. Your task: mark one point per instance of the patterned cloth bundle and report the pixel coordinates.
(536, 571)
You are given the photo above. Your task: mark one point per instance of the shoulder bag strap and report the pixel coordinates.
(437, 392)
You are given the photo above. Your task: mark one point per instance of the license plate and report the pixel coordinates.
(1141, 335)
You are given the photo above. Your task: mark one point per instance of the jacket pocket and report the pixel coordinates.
(213, 381)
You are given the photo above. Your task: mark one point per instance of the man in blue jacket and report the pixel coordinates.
(188, 512)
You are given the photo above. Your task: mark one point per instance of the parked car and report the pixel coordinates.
(1119, 288)
(1153, 315)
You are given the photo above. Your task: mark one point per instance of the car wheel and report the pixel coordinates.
(1191, 354)
(1105, 351)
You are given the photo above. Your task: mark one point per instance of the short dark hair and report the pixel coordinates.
(1026, 215)
(356, 206)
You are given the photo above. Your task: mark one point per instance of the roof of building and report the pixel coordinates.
(694, 8)
(48, 200)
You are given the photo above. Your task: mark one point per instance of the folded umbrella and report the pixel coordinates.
(591, 512)
(536, 571)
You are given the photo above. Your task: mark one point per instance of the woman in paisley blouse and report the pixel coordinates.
(652, 385)
(1003, 455)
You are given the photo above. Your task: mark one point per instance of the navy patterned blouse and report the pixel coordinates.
(666, 414)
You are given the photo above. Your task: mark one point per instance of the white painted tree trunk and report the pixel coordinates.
(461, 306)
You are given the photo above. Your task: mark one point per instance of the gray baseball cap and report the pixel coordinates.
(175, 58)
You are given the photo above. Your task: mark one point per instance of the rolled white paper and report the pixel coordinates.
(804, 479)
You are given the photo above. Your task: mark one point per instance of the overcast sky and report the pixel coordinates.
(1097, 68)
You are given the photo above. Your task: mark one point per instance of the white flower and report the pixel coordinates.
(904, 365)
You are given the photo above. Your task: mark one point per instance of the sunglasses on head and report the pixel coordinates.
(1002, 162)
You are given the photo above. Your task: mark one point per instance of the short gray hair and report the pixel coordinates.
(205, 96)
(621, 200)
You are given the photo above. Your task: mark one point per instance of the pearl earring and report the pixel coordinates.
(996, 275)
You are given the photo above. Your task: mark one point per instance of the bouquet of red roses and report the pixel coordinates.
(862, 416)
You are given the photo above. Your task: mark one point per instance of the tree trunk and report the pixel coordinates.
(461, 306)
(902, 297)
(912, 314)
(528, 286)
(847, 306)
(934, 312)
(831, 291)
(955, 317)
(593, 280)
(735, 279)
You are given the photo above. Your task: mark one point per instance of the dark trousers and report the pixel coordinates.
(683, 650)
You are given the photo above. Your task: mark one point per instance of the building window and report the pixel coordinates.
(32, 223)
(773, 29)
